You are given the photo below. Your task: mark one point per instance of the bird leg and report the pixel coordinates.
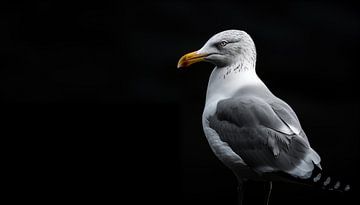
(268, 188)
(240, 193)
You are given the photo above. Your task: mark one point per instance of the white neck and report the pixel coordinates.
(224, 82)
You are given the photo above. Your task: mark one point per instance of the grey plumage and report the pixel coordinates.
(259, 132)
(254, 133)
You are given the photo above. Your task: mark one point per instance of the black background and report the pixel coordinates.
(95, 110)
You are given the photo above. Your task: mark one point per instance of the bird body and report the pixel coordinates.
(216, 92)
(253, 132)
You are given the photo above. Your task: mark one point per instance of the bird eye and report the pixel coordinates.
(223, 43)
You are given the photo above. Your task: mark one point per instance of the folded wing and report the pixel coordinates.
(266, 135)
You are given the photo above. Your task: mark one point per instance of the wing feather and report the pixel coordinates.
(267, 136)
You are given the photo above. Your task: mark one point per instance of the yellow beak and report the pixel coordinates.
(190, 58)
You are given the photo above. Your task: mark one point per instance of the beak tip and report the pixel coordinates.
(182, 62)
(180, 65)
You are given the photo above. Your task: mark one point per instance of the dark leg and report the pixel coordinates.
(268, 188)
(240, 192)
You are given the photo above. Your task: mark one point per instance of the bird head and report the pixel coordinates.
(222, 49)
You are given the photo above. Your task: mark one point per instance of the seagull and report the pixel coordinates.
(254, 133)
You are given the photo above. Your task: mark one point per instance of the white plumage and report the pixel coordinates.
(257, 135)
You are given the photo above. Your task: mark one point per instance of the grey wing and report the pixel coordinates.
(288, 116)
(255, 132)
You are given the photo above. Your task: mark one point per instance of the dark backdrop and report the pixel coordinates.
(95, 109)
